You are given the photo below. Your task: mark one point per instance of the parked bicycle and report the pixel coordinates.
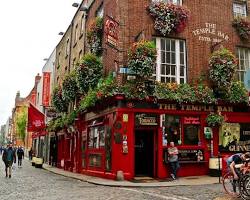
(240, 187)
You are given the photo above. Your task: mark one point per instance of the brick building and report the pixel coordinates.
(132, 136)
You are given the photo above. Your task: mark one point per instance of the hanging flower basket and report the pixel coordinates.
(58, 101)
(215, 120)
(169, 18)
(141, 59)
(242, 26)
(223, 65)
(94, 36)
(69, 87)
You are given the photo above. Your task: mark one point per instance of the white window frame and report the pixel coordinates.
(177, 76)
(244, 63)
(239, 9)
(176, 2)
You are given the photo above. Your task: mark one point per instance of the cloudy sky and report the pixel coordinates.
(29, 33)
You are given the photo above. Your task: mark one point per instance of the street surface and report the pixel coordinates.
(30, 183)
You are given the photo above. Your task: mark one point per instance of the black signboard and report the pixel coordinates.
(188, 155)
(143, 119)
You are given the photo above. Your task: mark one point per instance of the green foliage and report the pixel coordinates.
(215, 120)
(88, 72)
(94, 36)
(58, 101)
(204, 94)
(223, 65)
(21, 123)
(69, 87)
(141, 58)
(238, 93)
(242, 26)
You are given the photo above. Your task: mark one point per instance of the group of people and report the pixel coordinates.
(9, 157)
(232, 161)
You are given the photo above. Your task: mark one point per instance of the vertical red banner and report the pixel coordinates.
(46, 89)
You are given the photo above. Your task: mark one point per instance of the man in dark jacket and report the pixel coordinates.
(20, 156)
(9, 156)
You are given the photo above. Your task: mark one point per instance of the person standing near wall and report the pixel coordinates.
(173, 160)
(9, 156)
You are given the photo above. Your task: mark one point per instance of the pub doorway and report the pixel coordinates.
(144, 153)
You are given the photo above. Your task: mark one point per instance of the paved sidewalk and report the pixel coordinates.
(200, 180)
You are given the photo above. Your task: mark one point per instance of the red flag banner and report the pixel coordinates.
(35, 119)
(46, 88)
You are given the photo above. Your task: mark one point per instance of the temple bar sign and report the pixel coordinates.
(209, 33)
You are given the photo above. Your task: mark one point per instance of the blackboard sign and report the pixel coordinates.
(191, 155)
(187, 155)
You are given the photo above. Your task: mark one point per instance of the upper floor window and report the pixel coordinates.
(76, 33)
(243, 55)
(177, 2)
(67, 48)
(171, 60)
(83, 23)
(240, 9)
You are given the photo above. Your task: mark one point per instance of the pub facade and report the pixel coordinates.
(131, 135)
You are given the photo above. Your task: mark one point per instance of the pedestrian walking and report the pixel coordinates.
(30, 153)
(20, 156)
(9, 156)
(173, 160)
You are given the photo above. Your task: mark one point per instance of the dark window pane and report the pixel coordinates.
(181, 46)
(172, 129)
(168, 57)
(173, 70)
(181, 80)
(163, 69)
(167, 44)
(172, 45)
(163, 79)
(173, 80)
(162, 44)
(167, 80)
(173, 58)
(182, 71)
(163, 60)
(167, 70)
(191, 134)
(182, 58)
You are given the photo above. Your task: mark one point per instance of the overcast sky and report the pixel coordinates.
(29, 33)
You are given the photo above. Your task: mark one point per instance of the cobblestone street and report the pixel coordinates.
(30, 183)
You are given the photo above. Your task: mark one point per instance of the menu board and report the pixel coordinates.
(187, 155)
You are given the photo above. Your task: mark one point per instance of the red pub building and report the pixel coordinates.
(132, 135)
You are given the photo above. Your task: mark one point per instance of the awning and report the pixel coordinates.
(35, 119)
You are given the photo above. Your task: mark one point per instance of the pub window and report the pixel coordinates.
(240, 9)
(171, 60)
(177, 2)
(243, 55)
(96, 137)
(171, 128)
(191, 129)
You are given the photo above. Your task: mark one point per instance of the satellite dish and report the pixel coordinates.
(247, 80)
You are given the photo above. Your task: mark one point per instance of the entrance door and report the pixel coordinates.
(144, 152)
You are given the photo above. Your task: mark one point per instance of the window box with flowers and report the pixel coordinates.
(242, 26)
(169, 18)
(215, 120)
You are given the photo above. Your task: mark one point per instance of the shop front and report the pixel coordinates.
(133, 138)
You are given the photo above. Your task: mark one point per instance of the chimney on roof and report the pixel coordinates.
(37, 78)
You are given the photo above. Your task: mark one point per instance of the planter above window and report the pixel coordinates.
(169, 18)
(242, 26)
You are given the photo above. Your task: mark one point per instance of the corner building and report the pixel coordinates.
(132, 136)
